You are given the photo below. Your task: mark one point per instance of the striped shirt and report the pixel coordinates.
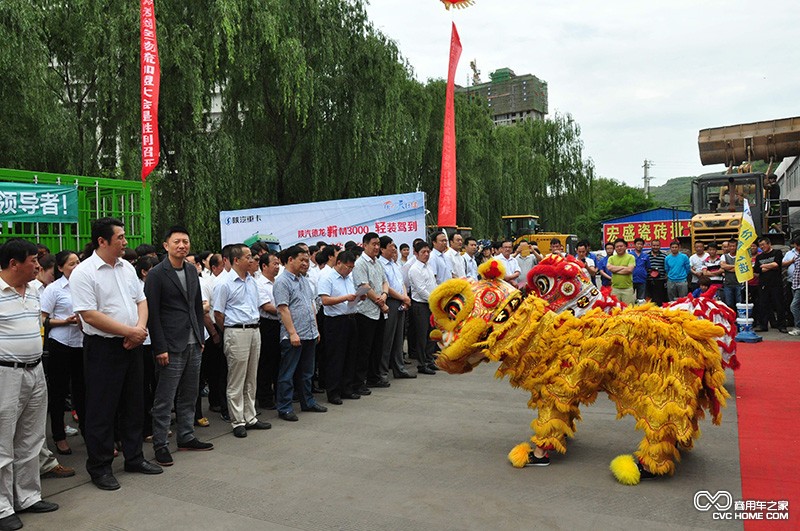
(294, 292)
(20, 324)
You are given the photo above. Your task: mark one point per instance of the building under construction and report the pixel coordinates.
(511, 98)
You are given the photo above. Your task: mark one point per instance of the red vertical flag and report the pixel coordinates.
(150, 83)
(447, 179)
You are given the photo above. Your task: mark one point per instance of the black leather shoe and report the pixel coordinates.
(10, 523)
(364, 391)
(258, 425)
(290, 416)
(40, 506)
(403, 375)
(316, 408)
(145, 467)
(195, 445)
(316, 389)
(783, 330)
(351, 396)
(106, 482)
(335, 400)
(760, 329)
(379, 383)
(434, 367)
(240, 432)
(163, 457)
(425, 370)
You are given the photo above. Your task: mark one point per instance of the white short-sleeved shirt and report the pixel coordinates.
(57, 303)
(510, 264)
(459, 265)
(265, 296)
(332, 284)
(115, 291)
(422, 280)
(20, 324)
(237, 299)
(696, 264)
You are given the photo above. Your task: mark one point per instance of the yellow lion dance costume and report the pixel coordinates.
(661, 366)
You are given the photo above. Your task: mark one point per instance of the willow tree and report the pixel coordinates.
(32, 127)
(316, 104)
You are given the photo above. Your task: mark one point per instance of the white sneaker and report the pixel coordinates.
(70, 431)
(794, 332)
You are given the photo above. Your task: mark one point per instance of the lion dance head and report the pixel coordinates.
(464, 313)
(564, 284)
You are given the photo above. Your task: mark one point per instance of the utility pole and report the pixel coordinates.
(647, 165)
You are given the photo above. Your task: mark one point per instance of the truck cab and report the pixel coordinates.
(718, 204)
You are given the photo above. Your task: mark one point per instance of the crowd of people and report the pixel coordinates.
(134, 341)
(635, 276)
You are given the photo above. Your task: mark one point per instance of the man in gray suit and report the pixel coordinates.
(175, 304)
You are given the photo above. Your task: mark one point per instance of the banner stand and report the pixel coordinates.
(746, 334)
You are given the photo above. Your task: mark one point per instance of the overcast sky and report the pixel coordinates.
(641, 78)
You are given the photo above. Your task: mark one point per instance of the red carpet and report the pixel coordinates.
(768, 406)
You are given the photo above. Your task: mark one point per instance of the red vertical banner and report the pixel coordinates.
(150, 84)
(447, 179)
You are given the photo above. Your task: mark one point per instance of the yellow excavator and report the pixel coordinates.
(526, 227)
(717, 200)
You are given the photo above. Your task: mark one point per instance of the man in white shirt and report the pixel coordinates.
(470, 264)
(23, 390)
(108, 297)
(525, 260)
(423, 282)
(454, 253)
(216, 369)
(338, 295)
(398, 303)
(696, 262)
(440, 263)
(405, 250)
(269, 325)
(510, 263)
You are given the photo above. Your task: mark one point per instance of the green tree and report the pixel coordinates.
(611, 199)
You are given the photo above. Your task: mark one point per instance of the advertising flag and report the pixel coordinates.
(747, 235)
(150, 86)
(447, 179)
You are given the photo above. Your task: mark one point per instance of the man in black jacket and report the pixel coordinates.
(175, 303)
(768, 266)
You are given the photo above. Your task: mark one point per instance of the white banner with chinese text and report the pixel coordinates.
(400, 216)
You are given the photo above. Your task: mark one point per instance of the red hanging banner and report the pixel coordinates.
(150, 84)
(447, 179)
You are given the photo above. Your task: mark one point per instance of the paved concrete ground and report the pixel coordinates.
(428, 453)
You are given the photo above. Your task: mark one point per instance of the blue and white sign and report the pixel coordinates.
(401, 216)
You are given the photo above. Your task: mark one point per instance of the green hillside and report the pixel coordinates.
(675, 192)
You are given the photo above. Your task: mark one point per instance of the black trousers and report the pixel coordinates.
(370, 350)
(65, 367)
(217, 375)
(770, 301)
(319, 352)
(340, 355)
(421, 319)
(205, 370)
(269, 360)
(149, 381)
(657, 289)
(114, 386)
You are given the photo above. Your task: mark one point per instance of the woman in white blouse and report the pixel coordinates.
(65, 347)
